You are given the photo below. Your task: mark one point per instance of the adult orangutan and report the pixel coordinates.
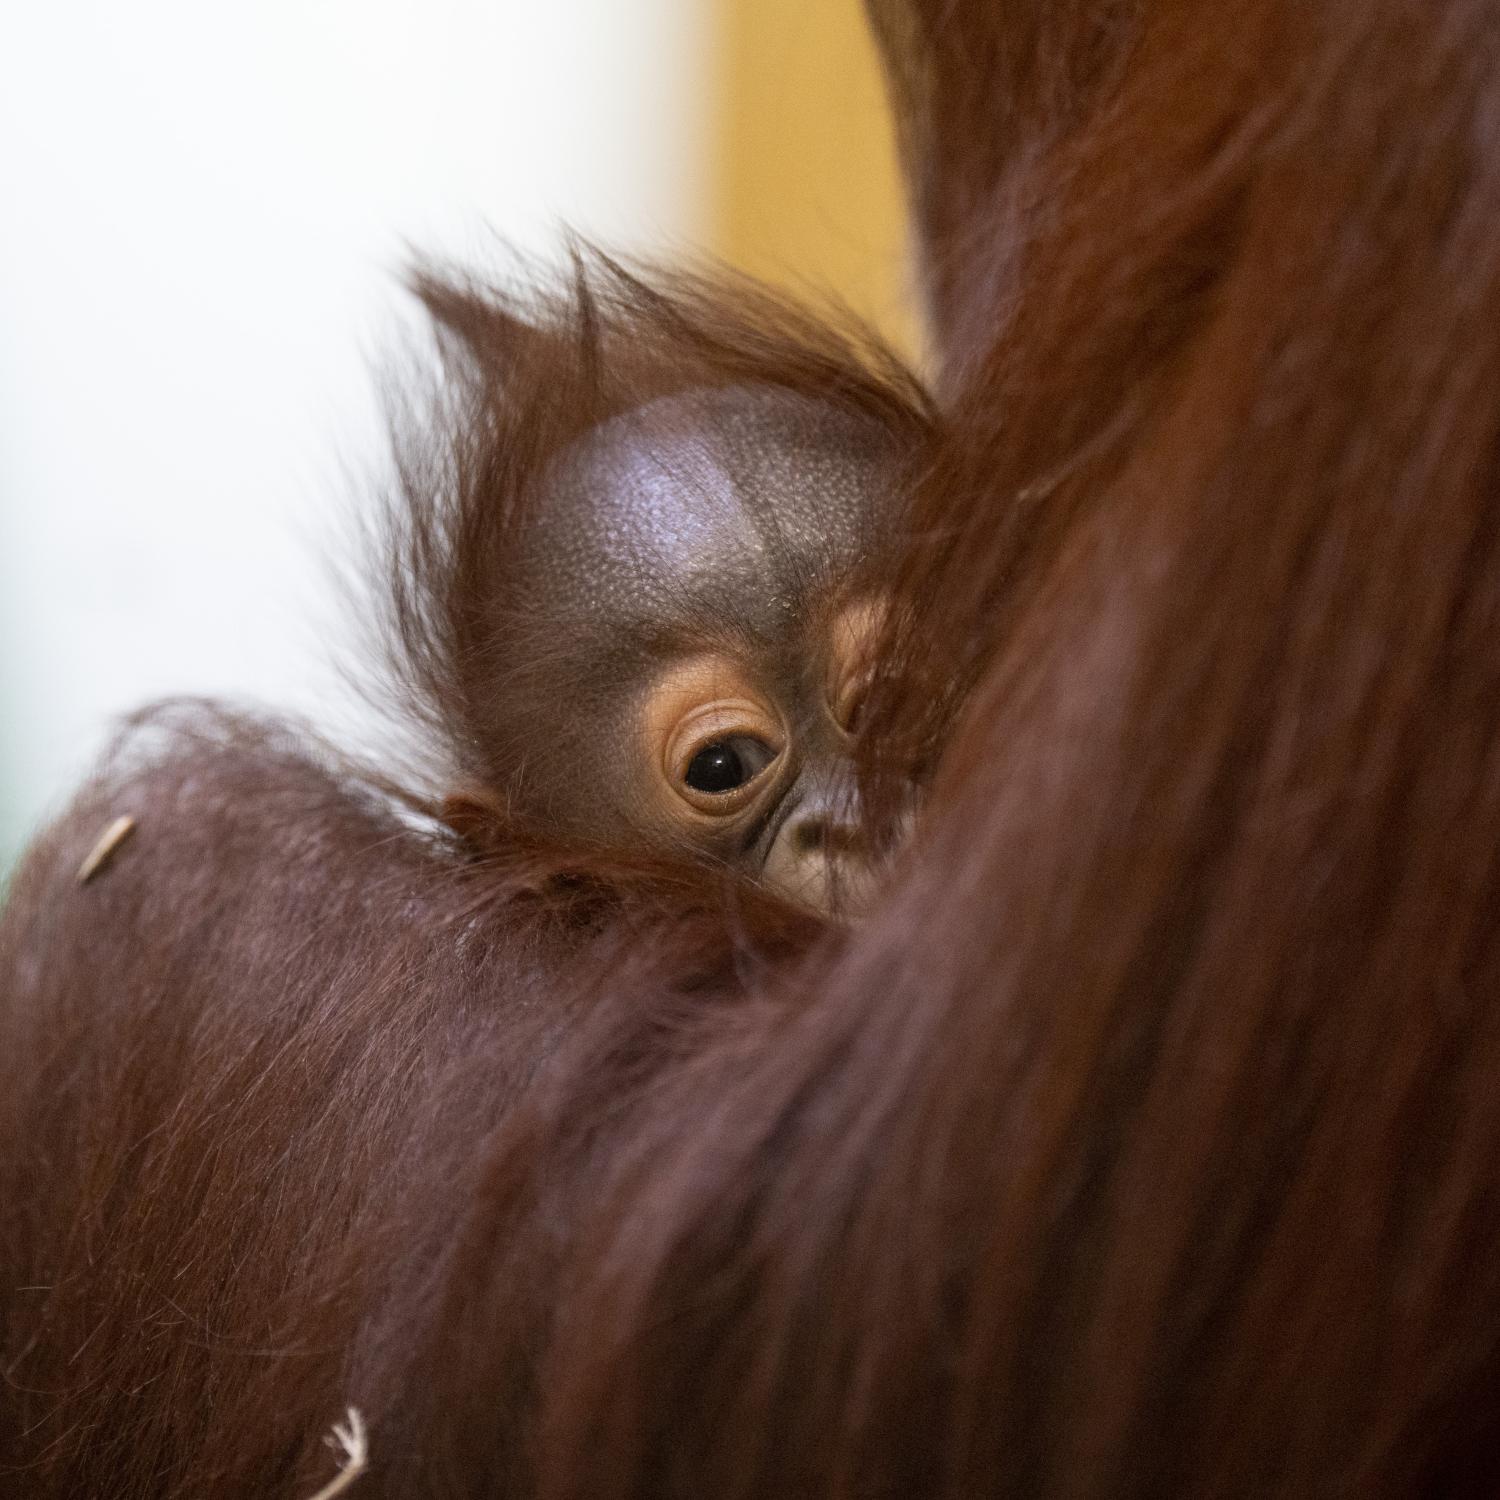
(1141, 1139)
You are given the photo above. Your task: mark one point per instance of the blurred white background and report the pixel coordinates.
(203, 208)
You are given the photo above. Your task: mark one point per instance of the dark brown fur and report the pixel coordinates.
(1143, 1143)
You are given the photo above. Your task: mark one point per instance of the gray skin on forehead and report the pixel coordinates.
(749, 491)
(732, 520)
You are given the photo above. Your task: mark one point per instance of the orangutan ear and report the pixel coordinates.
(477, 815)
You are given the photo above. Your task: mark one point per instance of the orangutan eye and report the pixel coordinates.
(716, 736)
(723, 765)
(849, 704)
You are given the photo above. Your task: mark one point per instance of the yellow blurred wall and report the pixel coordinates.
(805, 189)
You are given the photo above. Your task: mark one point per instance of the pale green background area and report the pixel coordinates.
(13, 824)
(14, 830)
(10, 840)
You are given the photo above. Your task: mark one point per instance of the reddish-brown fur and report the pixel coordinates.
(1142, 1143)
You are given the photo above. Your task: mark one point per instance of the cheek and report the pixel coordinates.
(568, 763)
(658, 822)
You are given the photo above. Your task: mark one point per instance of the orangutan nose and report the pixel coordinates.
(820, 858)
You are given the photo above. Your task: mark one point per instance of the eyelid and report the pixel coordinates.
(719, 720)
(848, 697)
(853, 636)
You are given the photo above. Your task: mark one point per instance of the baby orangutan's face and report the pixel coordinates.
(694, 589)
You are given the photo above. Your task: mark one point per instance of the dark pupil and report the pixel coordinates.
(722, 766)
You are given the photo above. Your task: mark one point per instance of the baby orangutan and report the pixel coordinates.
(641, 584)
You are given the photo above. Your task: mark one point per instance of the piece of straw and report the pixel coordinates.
(104, 849)
(349, 1442)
